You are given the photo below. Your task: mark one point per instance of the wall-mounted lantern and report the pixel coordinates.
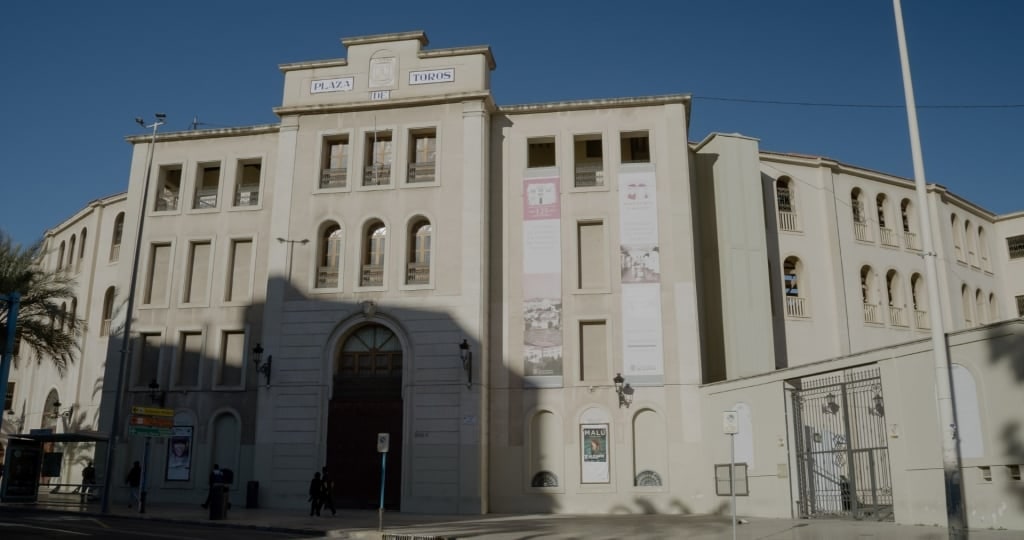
(830, 406)
(57, 413)
(624, 390)
(466, 356)
(259, 365)
(155, 394)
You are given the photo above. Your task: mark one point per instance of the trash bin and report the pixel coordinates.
(252, 494)
(219, 502)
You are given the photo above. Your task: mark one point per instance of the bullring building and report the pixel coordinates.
(547, 307)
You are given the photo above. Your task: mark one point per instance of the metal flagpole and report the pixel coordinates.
(955, 512)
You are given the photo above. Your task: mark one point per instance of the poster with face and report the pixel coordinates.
(179, 454)
(594, 440)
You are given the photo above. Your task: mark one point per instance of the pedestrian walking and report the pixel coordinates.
(327, 491)
(213, 482)
(315, 492)
(134, 478)
(88, 481)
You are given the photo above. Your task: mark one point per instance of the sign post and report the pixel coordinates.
(383, 442)
(731, 426)
(151, 422)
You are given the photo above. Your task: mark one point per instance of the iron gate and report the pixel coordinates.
(842, 454)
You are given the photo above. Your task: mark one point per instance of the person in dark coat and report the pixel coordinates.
(327, 492)
(88, 481)
(134, 479)
(216, 478)
(315, 492)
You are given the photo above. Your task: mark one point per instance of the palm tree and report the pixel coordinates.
(43, 328)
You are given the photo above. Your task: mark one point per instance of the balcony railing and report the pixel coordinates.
(247, 196)
(896, 316)
(860, 231)
(167, 202)
(589, 175)
(959, 253)
(326, 277)
(922, 319)
(788, 221)
(373, 275)
(889, 237)
(871, 314)
(911, 240)
(206, 198)
(377, 175)
(796, 307)
(417, 274)
(972, 258)
(422, 171)
(333, 178)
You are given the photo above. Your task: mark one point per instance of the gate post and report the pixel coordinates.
(851, 466)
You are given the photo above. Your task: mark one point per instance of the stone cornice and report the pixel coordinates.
(578, 105)
(418, 35)
(313, 64)
(327, 108)
(206, 133)
(462, 51)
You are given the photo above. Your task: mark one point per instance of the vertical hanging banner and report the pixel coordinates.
(640, 270)
(179, 454)
(542, 282)
(594, 443)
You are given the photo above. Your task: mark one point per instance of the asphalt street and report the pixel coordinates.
(18, 524)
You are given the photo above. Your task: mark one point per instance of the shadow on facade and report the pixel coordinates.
(1007, 352)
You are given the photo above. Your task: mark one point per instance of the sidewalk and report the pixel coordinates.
(358, 524)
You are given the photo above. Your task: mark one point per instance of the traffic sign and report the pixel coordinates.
(149, 431)
(152, 421)
(152, 411)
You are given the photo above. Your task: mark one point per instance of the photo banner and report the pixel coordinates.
(640, 271)
(594, 444)
(542, 282)
(179, 454)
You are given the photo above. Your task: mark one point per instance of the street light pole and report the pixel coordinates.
(955, 512)
(129, 308)
(13, 301)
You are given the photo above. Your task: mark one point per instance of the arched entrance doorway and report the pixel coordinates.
(367, 400)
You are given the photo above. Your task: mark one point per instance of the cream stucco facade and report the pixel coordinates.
(397, 212)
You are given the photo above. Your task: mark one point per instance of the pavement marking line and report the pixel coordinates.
(26, 526)
(100, 523)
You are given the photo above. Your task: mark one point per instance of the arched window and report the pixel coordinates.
(869, 295)
(894, 294)
(419, 256)
(907, 216)
(793, 286)
(373, 254)
(108, 311)
(993, 308)
(74, 312)
(965, 302)
(980, 308)
(60, 257)
(115, 240)
(986, 264)
(880, 205)
(786, 204)
(81, 247)
(972, 252)
(71, 254)
(919, 296)
(860, 219)
(957, 244)
(330, 251)
(372, 350)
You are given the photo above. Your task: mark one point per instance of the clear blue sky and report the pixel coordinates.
(76, 74)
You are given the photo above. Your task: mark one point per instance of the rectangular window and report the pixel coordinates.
(239, 272)
(1020, 305)
(594, 351)
(147, 359)
(1015, 244)
(635, 147)
(190, 350)
(588, 161)
(231, 358)
(197, 273)
(378, 159)
(9, 398)
(540, 152)
(247, 188)
(592, 258)
(168, 189)
(207, 186)
(334, 169)
(422, 156)
(159, 270)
